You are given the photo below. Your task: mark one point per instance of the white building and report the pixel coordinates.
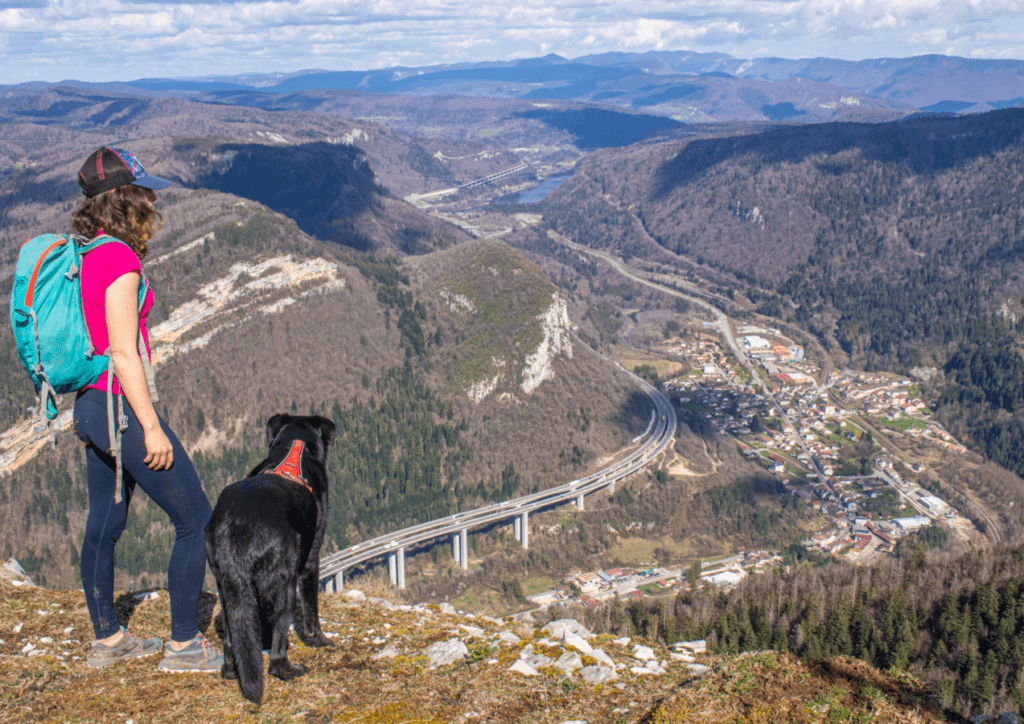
(725, 578)
(908, 525)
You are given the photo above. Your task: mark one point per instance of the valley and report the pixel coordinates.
(830, 309)
(800, 438)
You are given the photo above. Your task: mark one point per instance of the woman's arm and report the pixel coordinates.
(122, 299)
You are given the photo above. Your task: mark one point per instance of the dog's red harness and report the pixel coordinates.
(291, 466)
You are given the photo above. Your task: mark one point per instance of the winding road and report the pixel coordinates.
(660, 435)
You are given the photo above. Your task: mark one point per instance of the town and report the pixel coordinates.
(827, 443)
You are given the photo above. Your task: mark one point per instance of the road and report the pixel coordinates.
(661, 437)
(721, 323)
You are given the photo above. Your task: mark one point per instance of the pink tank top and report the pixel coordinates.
(100, 268)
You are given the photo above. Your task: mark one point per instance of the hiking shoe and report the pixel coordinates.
(199, 655)
(129, 647)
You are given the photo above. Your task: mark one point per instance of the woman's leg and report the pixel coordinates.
(179, 493)
(103, 528)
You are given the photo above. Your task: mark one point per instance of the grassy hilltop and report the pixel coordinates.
(351, 683)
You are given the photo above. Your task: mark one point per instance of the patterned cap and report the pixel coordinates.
(109, 168)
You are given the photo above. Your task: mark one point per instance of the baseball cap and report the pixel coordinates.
(107, 168)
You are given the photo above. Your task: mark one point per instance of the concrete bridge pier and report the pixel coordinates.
(524, 531)
(393, 568)
(611, 488)
(579, 503)
(464, 541)
(456, 548)
(517, 527)
(401, 567)
(335, 583)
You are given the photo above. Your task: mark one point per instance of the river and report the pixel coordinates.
(538, 192)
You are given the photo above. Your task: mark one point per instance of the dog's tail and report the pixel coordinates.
(242, 625)
(247, 642)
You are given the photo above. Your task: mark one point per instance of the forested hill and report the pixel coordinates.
(849, 224)
(895, 243)
(954, 620)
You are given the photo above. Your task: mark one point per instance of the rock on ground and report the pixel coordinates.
(643, 653)
(598, 674)
(538, 661)
(447, 652)
(577, 642)
(508, 637)
(474, 631)
(11, 570)
(569, 662)
(697, 647)
(557, 629)
(521, 667)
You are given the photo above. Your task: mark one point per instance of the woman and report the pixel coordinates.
(119, 203)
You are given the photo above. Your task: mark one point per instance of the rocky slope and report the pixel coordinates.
(239, 291)
(426, 663)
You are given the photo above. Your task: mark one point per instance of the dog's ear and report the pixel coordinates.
(274, 426)
(327, 430)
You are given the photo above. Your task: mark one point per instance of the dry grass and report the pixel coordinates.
(640, 551)
(665, 368)
(345, 684)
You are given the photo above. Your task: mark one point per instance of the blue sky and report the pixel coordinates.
(111, 40)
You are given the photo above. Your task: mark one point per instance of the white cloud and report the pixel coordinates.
(58, 39)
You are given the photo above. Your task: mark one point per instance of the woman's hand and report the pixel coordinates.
(159, 453)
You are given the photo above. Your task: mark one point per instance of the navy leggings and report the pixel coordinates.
(177, 491)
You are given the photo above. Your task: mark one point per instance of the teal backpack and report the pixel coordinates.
(50, 332)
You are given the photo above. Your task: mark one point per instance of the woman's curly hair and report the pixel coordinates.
(125, 212)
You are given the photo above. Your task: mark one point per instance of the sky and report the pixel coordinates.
(119, 40)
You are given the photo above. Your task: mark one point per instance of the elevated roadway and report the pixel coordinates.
(494, 177)
(659, 436)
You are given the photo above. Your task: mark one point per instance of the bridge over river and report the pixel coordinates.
(659, 435)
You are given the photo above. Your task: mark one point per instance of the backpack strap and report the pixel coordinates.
(47, 395)
(114, 431)
(147, 365)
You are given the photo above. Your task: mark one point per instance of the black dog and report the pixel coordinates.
(262, 541)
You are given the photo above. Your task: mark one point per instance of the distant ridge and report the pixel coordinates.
(935, 83)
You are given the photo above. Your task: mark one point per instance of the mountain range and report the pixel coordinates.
(684, 85)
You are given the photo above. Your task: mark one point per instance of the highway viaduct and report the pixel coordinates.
(659, 436)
